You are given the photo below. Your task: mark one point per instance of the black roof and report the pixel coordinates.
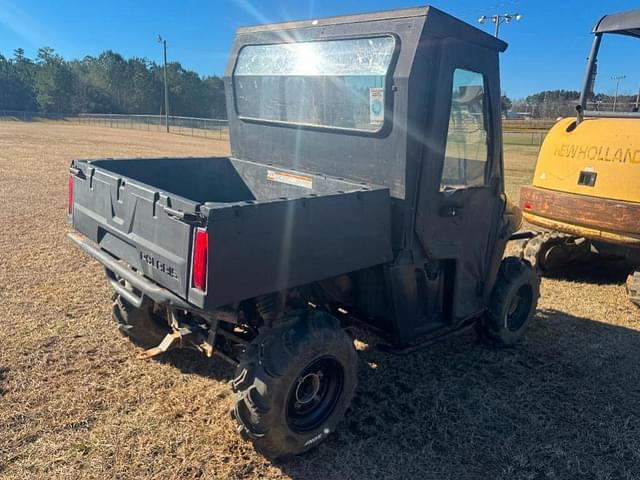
(337, 20)
(438, 22)
(625, 23)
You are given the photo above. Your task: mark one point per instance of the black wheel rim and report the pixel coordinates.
(314, 394)
(519, 308)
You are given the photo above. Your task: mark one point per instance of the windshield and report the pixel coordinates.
(335, 83)
(616, 85)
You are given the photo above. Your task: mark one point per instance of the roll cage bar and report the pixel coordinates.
(624, 23)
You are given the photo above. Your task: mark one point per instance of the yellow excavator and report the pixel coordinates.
(585, 192)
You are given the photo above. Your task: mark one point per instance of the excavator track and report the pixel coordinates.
(550, 251)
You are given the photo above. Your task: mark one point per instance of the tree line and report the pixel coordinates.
(107, 83)
(556, 103)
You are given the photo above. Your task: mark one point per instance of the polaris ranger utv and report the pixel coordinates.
(365, 185)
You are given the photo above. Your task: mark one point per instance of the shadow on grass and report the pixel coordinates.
(192, 362)
(598, 272)
(561, 405)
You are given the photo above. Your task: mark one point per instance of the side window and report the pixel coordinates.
(467, 151)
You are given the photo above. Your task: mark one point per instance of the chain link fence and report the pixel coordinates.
(567, 108)
(31, 116)
(517, 132)
(532, 138)
(203, 127)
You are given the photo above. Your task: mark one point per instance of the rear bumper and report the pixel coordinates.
(595, 218)
(116, 268)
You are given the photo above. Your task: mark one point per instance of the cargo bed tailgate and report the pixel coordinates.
(135, 223)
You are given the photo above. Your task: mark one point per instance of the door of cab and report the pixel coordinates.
(460, 197)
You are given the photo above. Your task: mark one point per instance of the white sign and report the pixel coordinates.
(376, 105)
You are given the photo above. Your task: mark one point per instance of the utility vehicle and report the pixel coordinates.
(585, 188)
(365, 186)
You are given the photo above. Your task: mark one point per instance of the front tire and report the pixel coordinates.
(294, 384)
(513, 302)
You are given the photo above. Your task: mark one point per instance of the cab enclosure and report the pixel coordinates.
(407, 101)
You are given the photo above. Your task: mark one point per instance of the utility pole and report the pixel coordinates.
(617, 78)
(594, 78)
(166, 86)
(499, 20)
(637, 101)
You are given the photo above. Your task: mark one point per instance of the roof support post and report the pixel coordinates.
(588, 78)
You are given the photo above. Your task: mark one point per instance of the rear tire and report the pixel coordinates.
(294, 384)
(143, 327)
(633, 287)
(513, 302)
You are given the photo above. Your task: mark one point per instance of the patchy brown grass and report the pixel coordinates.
(74, 403)
(519, 163)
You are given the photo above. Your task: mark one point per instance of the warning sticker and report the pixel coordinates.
(376, 105)
(290, 179)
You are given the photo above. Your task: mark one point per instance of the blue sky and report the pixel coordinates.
(547, 48)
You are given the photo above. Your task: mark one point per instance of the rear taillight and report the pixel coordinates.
(200, 251)
(70, 194)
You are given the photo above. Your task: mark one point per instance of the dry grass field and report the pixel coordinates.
(75, 403)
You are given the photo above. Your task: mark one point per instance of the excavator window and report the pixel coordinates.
(616, 78)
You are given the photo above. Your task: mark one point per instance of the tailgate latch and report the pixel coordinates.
(73, 170)
(190, 218)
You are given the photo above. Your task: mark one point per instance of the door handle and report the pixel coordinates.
(450, 211)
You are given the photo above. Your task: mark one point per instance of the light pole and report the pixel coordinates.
(166, 86)
(500, 19)
(617, 78)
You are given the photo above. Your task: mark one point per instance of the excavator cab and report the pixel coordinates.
(585, 192)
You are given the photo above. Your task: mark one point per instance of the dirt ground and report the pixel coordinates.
(75, 403)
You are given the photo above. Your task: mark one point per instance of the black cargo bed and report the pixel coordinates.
(269, 228)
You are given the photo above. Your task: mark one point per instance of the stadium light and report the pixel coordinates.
(500, 19)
